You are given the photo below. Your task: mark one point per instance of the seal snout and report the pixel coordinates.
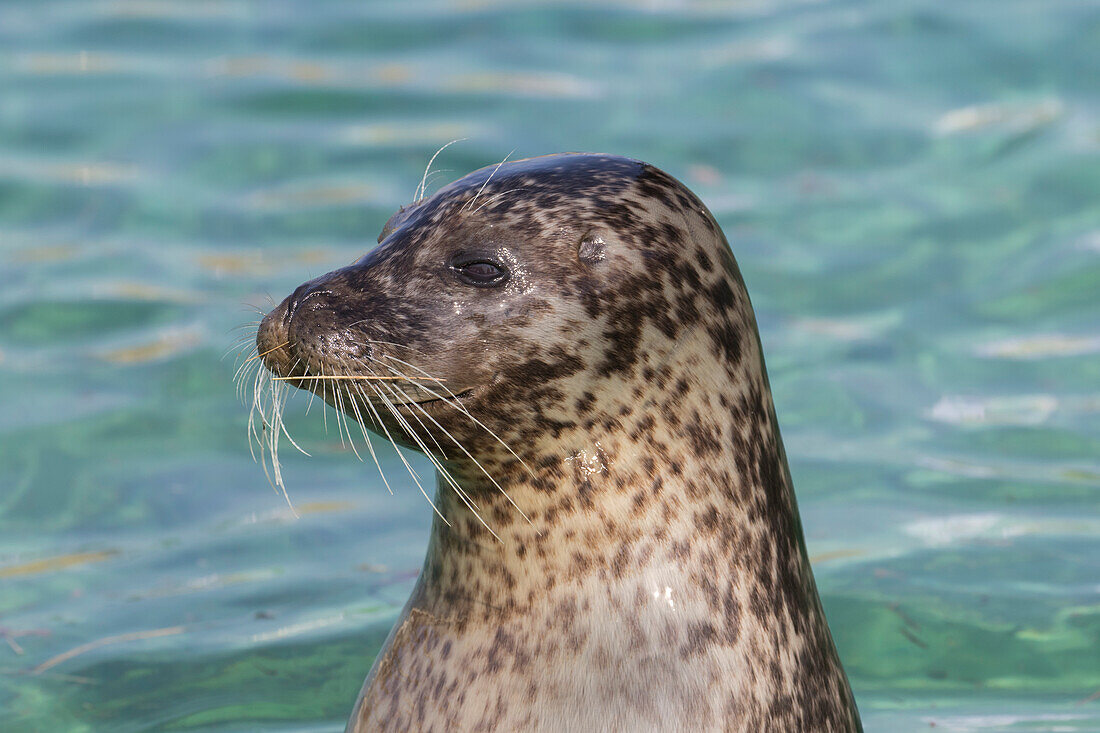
(281, 331)
(272, 339)
(300, 335)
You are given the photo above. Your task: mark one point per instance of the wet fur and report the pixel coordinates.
(661, 580)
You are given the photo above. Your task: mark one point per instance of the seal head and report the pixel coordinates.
(617, 543)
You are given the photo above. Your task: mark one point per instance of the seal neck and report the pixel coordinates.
(702, 507)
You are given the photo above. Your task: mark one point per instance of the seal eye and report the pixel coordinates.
(480, 272)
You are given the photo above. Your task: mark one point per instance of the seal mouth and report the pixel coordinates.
(318, 384)
(403, 392)
(436, 401)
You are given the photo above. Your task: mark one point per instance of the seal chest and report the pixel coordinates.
(616, 544)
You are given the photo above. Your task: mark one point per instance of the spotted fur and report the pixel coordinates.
(661, 582)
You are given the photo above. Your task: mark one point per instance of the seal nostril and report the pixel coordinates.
(300, 296)
(294, 301)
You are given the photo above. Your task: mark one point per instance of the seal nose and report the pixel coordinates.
(272, 336)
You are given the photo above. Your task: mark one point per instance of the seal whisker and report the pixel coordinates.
(431, 177)
(338, 408)
(376, 419)
(247, 333)
(400, 346)
(249, 326)
(241, 388)
(366, 438)
(406, 425)
(277, 412)
(390, 388)
(282, 423)
(418, 195)
(443, 472)
(259, 386)
(272, 433)
(240, 369)
(250, 378)
(496, 196)
(244, 343)
(409, 468)
(341, 416)
(239, 378)
(262, 427)
(465, 451)
(343, 391)
(350, 378)
(312, 395)
(347, 427)
(242, 347)
(251, 428)
(324, 397)
(273, 348)
(375, 342)
(453, 403)
(269, 421)
(401, 420)
(486, 183)
(246, 337)
(268, 403)
(458, 489)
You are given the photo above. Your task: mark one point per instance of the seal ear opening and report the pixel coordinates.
(591, 249)
(395, 221)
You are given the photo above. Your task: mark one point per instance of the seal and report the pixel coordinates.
(616, 544)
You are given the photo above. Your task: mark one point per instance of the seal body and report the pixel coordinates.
(617, 544)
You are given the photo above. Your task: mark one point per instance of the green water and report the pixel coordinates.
(912, 189)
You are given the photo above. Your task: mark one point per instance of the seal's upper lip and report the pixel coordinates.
(281, 362)
(311, 383)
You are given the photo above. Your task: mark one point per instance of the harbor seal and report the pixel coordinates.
(616, 544)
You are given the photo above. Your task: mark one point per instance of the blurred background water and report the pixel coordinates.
(911, 188)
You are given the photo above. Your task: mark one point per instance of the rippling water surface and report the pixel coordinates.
(911, 188)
